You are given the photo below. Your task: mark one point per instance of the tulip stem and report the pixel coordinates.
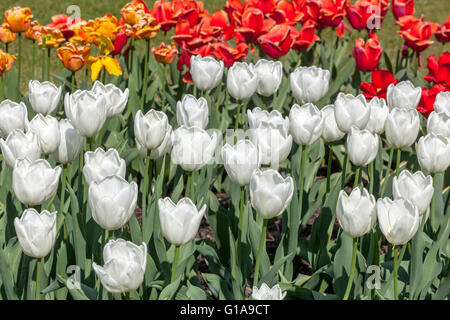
(63, 193)
(344, 169)
(219, 97)
(352, 270)
(371, 177)
(144, 84)
(38, 278)
(19, 60)
(388, 171)
(163, 89)
(432, 204)
(301, 183)
(73, 82)
(262, 243)
(395, 272)
(174, 265)
(238, 116)
(397, 165)
(148, 168)
(357, 174)
(188, 185)
(48, 63)
(241, 221)
(330, 161)
(33, 59)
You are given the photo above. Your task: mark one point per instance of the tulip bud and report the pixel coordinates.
(240, 160)
(270, 193)
(179, 222)
(351, 111)
(274, 143)
(274, 118)
(207, 72)
(116, 99)
(402, 127)
(242, 80)
(266, 293)
(193, 147)
(124, 267)
(362, 146)
(70, 144)
(20, 145)
(47, 131)
(306, 124)
(403, 95)
(416, 187)
(34, 182)
(100, 164)
(14, 116)
(356, 212)
(150, 129)
(439, 123)
(433, 153)
(112, 201)
(36, 232)
(442, 102)
(330, 131)
(379, 112)
(270, 75)
(309, 84)
(192, 112)
(87, 111)
(398, 220)
(44, 97)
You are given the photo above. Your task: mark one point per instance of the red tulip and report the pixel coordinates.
(333, 12)
(364, 14)
(278, 41)
(285, 12)
(63, 23)
(402, 8)
(416, 32)
(443, 31)
(228, 54)
(266, 6)
(162, 11)
(252, 24)
(120, 42)
(306, 37)
(220, 19)
(426, 104)
(439, 69)
(367, 55)
(381, 79)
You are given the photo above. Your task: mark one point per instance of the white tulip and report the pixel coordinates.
(306, 124)
(351, 111)
(20, 145)
(356, 212)
(13, 116)
(47, 131)
(124, 267)
(433, 153)
(240, 160)
(242, 80)
(398, 220)
(309, 84)
(362, 146)
(330, 132)
(100, 164)
(256, 116)
(192, 112)
(274, 143)
(416, 187)
(44, 97)
(36, 232)
(270, 75)
(34, 182)
(179, 222)
(207, 72)
(270, 193)
(266, 293)
(112, 201)
(150, 129)
(439, 123)
(193, 147)
(157, 153)
(379, 112)
(402, 127)
(70, 144)
(116, 99)
(87, 111)
(442, 102)
(403, 95)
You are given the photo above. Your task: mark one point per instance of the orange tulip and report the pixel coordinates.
(6, 35)
(73, 57)
(107, 26)
(33, 32)
(50, 37)
(132, 13)
(96, 64)
(165, 54)
(147, 28)
(18, 18)
(6, 62)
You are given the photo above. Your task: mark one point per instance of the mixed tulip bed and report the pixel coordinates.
(255, 157)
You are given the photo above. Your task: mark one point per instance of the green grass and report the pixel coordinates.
(434, 10)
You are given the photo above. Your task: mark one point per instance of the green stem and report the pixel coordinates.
(357, 174)
(352, 270)
(63, 193)
(432, 204)
(395, 272)
(241, 221)
(19, 60)
(127, 295)
(188, 185)
(73, 82)
(33, 59)
(148, 163)
(344, 169)
(48, 63)
(238, 118)
(145, 83)
(174, 265)
(110, 235)
(163, 91)
(301, 182)
(38, 276)
(388, 171)
(219, 96)
(262, 243)
(330, 161)
(371, 177)
(397, 165)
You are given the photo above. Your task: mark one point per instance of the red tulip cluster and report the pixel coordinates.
(381, 79)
